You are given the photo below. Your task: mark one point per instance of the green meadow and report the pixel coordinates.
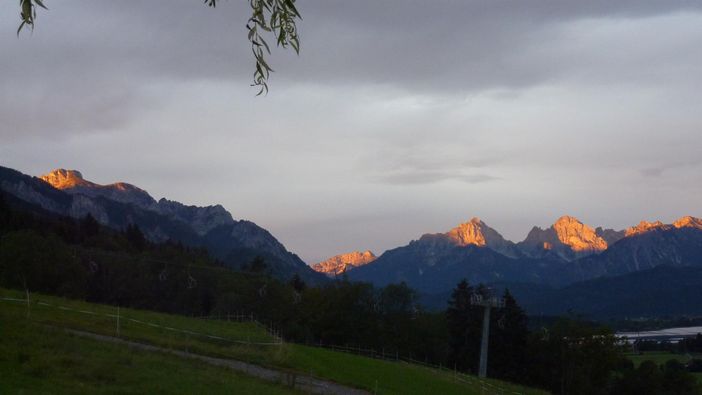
(661, 357)
(37, 355)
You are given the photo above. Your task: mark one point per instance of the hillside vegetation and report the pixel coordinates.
(37, 358)
(157, 289)
(35, 342)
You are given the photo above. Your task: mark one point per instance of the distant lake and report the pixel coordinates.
(669, 334)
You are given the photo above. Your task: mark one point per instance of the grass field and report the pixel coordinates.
(37, 359)
(661, 357)
(41, 364)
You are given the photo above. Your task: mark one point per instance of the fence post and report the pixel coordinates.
(28, 306)
(118, 321)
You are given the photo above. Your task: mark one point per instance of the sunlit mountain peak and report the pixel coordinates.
(688, 222)
(642, 227)
(339, 264)
(63, 179)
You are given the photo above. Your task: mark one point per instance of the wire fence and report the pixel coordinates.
(485, 386)
(277, 340)
(243, 317)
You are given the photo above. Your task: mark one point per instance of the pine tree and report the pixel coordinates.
(297, 283)
(509, 341)
(135, 237)
(464, 328)
(89, 226)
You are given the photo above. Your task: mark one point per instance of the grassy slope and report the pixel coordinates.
(38, 359)
(661, 357)
(390, 377)
(358, 371)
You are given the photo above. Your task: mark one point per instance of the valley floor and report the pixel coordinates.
(661, 357)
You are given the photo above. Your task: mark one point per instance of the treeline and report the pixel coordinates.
(687, 345)
(84, 260)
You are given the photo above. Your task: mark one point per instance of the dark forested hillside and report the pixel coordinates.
(79, 258)
(665, 290)
(233, 242)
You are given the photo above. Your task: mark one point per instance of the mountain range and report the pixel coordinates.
(552, 269)
(235, 242)
(566, 252)
(663, 291)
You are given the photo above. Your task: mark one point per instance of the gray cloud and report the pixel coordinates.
(429, 177)
(513, 111)
(671, 165)
(449, 46)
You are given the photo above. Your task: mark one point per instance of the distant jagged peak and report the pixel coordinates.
(611, 236)
(568, 238)
(688, 222)
(643, 227)
(65, 179)
(172, 204)
(578, 236)
(475, 232)
(682, 222)
(339, 264)
(72, 181)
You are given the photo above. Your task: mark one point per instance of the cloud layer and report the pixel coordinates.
(398, 117)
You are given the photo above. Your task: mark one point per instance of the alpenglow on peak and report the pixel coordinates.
(472, 232)
(340, 264)
(72, 181)
(578, 236)
(478, 233)
(568, 238)
(63, 179)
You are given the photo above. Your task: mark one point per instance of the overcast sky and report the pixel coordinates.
(398, 118)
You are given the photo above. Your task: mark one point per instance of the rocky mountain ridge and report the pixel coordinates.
(72, 181)
(645, 226)
(339, 264)
(478, 233)
(567, 252)
(567, 237)
(202, 219)
(235, 242)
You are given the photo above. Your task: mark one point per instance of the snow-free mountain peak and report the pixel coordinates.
(682, 222)
(471, 232)
(72, 181)
(64, 179)
(339, 264)
(475, 232)
(688, 222)
(578, 236)
(568, 238)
